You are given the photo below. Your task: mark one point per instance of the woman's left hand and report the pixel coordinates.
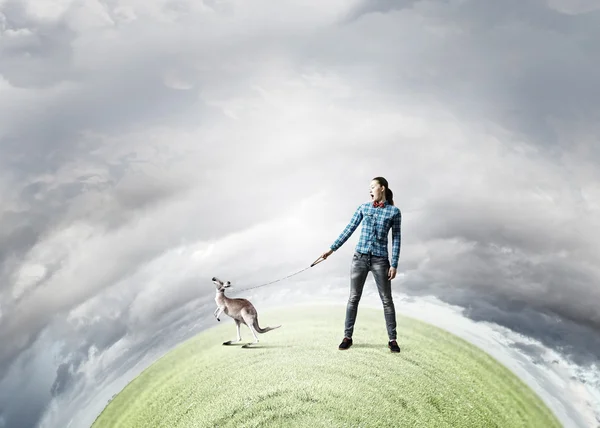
(392, 273)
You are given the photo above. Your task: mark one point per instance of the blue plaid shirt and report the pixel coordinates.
(374, 234)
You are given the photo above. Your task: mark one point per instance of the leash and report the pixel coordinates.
(319, 260)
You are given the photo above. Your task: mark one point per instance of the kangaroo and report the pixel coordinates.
(241, 310)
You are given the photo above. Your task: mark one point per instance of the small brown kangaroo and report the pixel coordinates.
(241, 310)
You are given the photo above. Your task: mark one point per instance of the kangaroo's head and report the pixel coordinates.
(221, 286)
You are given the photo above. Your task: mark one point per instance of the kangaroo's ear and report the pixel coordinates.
(228, 284)
(217, 281)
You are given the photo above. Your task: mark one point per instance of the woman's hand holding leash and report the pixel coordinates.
(326, 254)
(323, 257)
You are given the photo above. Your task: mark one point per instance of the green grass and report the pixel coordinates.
(297, 377)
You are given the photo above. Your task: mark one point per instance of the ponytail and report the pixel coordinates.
(389, 196)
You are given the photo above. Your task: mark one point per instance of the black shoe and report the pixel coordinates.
(346, 343)
(393, 345)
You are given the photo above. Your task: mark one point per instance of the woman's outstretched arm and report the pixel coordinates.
(346, 233)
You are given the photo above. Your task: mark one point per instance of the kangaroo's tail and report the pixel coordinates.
(262, 330)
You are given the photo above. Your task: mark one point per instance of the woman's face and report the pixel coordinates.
(377, 191)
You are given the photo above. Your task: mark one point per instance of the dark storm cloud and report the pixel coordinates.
(534, 352)
(506, 270)
(535, 89)
(24, 391)
(521, 64)
(64, 377)
(578, 342)
(164, 332)
(98, 334)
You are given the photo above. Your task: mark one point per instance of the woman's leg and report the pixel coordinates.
(380, 267)
(358, 275)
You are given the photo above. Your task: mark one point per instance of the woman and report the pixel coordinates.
(371, 255)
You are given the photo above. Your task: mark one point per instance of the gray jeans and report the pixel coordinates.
(362, 264)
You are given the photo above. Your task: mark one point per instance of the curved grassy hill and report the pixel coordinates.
(297, 377)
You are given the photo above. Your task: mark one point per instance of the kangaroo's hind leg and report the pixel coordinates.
(250, 323)
(239, 336)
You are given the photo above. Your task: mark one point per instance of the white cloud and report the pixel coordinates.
(47, 10)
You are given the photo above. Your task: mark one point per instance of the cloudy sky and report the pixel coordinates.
(146, 146)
